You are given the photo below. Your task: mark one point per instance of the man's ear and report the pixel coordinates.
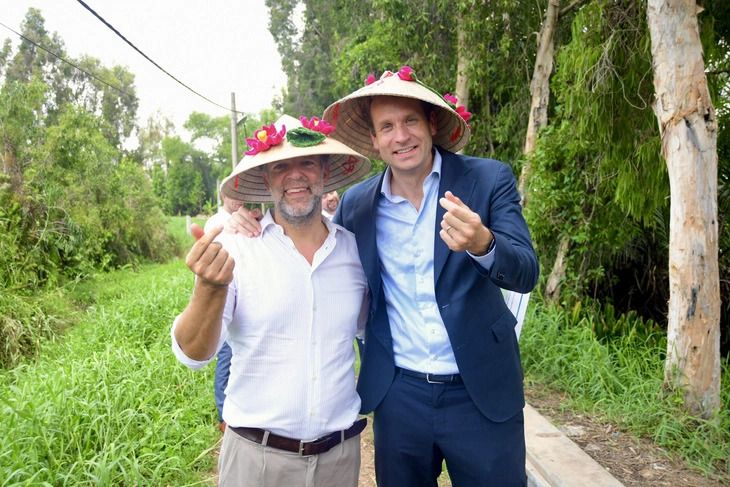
(434, 122)
(326, 173)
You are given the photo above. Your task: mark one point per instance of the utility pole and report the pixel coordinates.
(234, 132)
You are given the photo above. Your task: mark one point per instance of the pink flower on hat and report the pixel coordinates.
(265, 138)
(317, 125)
(451, 99)
(370, 80)
(406, 73)
(461, 110)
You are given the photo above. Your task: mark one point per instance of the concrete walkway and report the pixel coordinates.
(553, 460)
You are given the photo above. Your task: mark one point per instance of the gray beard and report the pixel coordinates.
(299, 219)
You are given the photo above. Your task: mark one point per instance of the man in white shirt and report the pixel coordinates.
(330, 202)
(289, 303)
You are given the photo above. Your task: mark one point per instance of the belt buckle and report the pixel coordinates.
(428, 379)
(303, 444)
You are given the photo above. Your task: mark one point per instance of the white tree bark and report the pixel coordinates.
(462, 79)
(540, 89)
(688, 128)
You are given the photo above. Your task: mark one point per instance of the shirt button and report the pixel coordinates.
(314, 307)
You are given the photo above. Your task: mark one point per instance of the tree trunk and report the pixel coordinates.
(462, 79)
(552, 288)
(540, 95)
(540, 89)
(688, 129)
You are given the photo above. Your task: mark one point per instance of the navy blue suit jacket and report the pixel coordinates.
(479, 324)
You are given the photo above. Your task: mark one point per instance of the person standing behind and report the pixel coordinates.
(224, 213)
(330, 201)
(438, 235)
(289, 303)
(223, 360)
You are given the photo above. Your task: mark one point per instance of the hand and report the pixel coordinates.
(208, 260)
(461, 228)
(246, 222)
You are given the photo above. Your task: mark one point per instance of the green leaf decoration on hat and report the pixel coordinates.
(302, 137)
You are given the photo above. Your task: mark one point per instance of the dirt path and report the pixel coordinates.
(635, 462)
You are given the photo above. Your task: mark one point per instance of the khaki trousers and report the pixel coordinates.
(243, 463)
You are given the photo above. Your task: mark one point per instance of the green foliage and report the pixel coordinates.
(595, 179)
(621, 380)
(111, 405)
(68, 85)
(607, 324)
(70, 203)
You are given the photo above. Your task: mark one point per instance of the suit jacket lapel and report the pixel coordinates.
(453, 178)
(365, 234)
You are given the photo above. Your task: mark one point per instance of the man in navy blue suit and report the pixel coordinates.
(439, 235)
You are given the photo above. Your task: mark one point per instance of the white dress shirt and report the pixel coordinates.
(291, 327)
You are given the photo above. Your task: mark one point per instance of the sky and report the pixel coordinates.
(216, 47)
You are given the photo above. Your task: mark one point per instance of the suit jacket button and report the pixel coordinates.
(500, 275)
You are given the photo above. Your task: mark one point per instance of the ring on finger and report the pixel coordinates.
(448, 228)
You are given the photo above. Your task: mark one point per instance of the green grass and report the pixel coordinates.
(621, 380)
(110, 405)
(177, 228)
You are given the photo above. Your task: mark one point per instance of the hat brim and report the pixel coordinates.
(246, 182)
(452, 131)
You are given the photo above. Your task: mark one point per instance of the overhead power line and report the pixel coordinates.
(68, 62)
(148, 58)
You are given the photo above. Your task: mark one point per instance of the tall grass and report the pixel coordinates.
(621, 379)
(30, 315)
(177, 228)
(110, 405)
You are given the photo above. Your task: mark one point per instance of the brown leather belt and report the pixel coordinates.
(303, 448)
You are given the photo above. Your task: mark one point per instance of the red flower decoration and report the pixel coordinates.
(317, 125)
(464, 114)
(370, 80)
(461, 110)
(406, 73)
(265, 138)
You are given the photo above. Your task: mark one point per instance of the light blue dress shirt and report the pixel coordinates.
(405, 241)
